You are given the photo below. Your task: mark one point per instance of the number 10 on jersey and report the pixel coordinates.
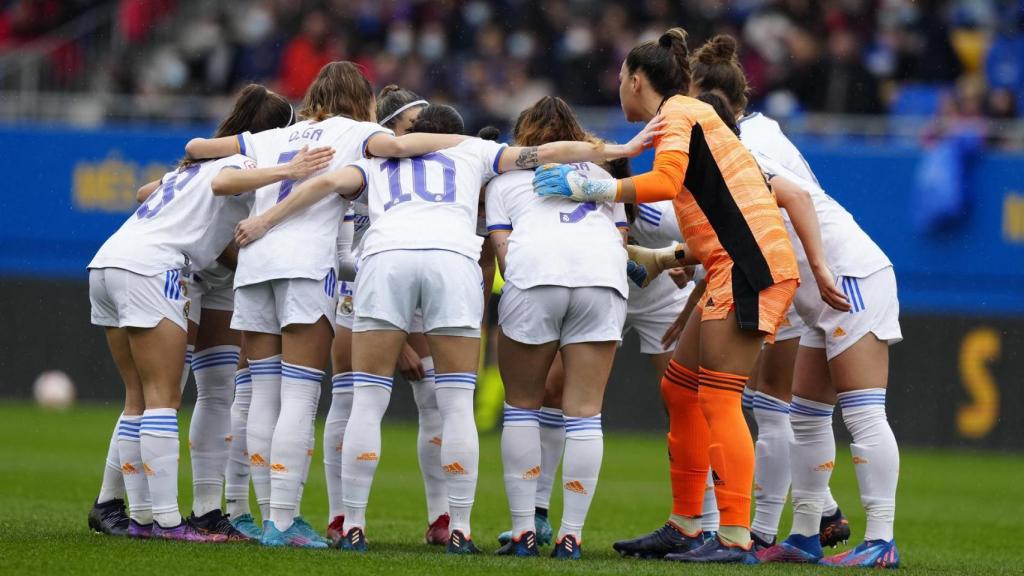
(419, 180)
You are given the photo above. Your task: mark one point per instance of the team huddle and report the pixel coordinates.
(366, 230)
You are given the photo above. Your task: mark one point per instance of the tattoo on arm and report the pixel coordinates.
(527, 158)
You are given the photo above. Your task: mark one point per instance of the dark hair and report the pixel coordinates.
(390, 99)
(256, 109)
(550, 119)
(722, 109)
(439, 119)
(619, 168)
(489, 133)
(340, 89)
(716, 67)
(666, 63)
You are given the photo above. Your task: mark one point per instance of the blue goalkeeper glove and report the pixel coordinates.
(567, 182)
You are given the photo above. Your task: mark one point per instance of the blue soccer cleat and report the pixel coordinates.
(542, 529)
(459, 544)
(796, 549)
(292, 537)
(867, 554)
(247, 525)
(669, 539)
(716, 552)
(835, 529)
(568, 548)
(353, 541)
(523, 547)
(306, 530)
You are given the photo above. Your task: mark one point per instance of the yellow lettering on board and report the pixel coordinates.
(976, 419)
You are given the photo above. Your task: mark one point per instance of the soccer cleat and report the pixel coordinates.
(185, 532)
(761, 543)
(334, 530)
(542, 527)
(437, 533)
(215, 522)
(796, 549)
(354, 540)
(524, 546)
(867, 554)
(247, 525)
(306, 530)
(292, 537)
(568, 548)
(709, 535)
(716, 552)
(835, 529)
(668, 539)
(109, 518)
(459, 544)
(140, 531)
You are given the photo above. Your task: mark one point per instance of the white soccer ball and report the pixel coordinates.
(54, 390)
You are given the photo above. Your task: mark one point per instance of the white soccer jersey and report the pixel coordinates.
(655, 225)
(556, 241)
(428, 202)
(182, 225)
(304, 245)
(848, 249)
(763, 135)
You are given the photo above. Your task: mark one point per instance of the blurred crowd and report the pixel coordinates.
(917, 58)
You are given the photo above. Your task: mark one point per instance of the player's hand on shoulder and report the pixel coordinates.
(550, 180)
(309, 161)
(644, 139)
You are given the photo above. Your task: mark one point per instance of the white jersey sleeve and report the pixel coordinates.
(763, 135)
(182, 225)
(304, 245)
(655, 225)
(555, 241)
(428, 202)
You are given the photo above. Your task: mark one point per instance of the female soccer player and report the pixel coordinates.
(553, 302)
(286, 287)
(844, 348)
(733, 227)
(436, 269)
(397, 109)
(137, 294)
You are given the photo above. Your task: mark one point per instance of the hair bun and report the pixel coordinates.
(488, 133)
(672, 35)
(388, 90)
(721, 48)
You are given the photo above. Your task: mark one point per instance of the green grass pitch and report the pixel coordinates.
(958, 512)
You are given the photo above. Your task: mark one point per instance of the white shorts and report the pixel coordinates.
(652, 318)
(793, 326)
(543, 314)
(122, 299)
(212, 289)
(269, 306)
(345, 315)
(446, 286)
(876, 310)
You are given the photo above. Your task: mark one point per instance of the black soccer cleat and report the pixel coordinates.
(216, 522)
(835, 529)
(459, 544)
(567, 548)
(761, 543)
(524, 546)
(668, 539)
(109, 518)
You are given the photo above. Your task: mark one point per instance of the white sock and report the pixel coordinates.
(129, 451)
(460, 451)
(361, 451)
(289, 452)
(876, 458)
(214, 370)
(552, 441)
(112, 486)
(709, 516)
(310, 450)
(428, 442)
(521, 462)
(159, 438)
(334, 438)
(581, 465)
(263, 414)
(831, 506)
(771, 468)
(189, 351)
(812, 458)
(748, 399)
(236, 475)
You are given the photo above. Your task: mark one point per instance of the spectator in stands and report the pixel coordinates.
(305, 55)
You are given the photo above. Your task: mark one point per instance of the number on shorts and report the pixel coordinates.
(419, 180)
(165, 192)
(579, 213)
(286, 185)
